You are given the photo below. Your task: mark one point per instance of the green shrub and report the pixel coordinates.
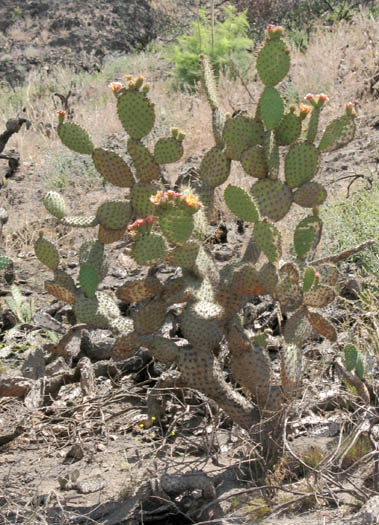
(352, 221)
(225, 44)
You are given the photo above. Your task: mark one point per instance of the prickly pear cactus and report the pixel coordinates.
(165, 226)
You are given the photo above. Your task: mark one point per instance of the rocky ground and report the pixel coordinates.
(39, 34)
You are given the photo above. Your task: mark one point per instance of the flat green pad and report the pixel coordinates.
(321, 325)
(140, 198)
(147, 167)
(184, 256)
(307, 235)
(271, 107)
(176, 225)
(273, 62)
(215, 167)
(288, 291)
(75, 137)
(319, 296)
(92, 252)
(273, 198)
(47, 253)
(113, 168)
(309, 278)
(310, 195)
(149, 249)
(136, 113)
(62, 287)
(149, 318)
(338, 133)
(301, 164)
(168, 150)
(79, 221)
(4, 262)
(254, 162)
(297, 329)
(239, 203)
(97, 311)
(88, 279)
(114, 215)
(351, 356)
(55, 204)
(288, 130)
(241, 133)
(268, 238)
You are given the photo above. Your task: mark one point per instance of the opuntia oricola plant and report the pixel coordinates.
(170, 227)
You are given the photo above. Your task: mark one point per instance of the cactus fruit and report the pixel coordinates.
(171, 227)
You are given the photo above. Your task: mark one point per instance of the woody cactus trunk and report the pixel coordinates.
(170, 227)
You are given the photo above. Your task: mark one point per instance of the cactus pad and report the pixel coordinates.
(271, 107)
(149, 249)
(241, 133)
(268, 238)
(184, 256)
(273, 198)
(168, 150)
(288, 291)
(92, 252)
(136, 113)
(79, 221)
(351, 356)
(254, 162)
(89, 279)
(54, 203)
(307, 235)
(149, 318)
(114, 215)
(269, 276)
(147, 167)
(199, 324)
(4, 262)
(301, 164)
(247, 281)
(107, 236)
(113, 168)
(338, 133)
(319, 296)
(273, 62)
(62, 287)
(321, 325)
(329, 274)
(46, 252)
(289, 129)
(139, 290)
(140, 198)
(75, 138)
(297, 329)
(97, 311)
(176, 225)
(215, 167)
(239, 203)
(310, 195)
(309, 278)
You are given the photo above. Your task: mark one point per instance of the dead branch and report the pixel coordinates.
(345, 254)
